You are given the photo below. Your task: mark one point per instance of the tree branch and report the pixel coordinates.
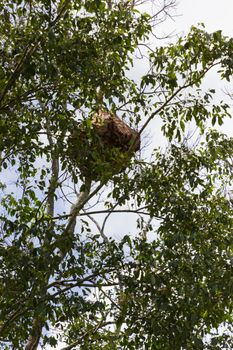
(107, 211)
(34, 338)
(54, 175)
(101, 324)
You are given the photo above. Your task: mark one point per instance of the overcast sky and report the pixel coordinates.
(215, 14)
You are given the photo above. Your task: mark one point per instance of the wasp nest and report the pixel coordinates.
(102, 145)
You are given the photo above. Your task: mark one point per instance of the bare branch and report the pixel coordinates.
(101, 231)
(107, 211)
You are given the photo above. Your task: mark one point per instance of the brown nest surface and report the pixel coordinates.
(103, 145)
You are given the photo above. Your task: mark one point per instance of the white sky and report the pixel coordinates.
(215, 14)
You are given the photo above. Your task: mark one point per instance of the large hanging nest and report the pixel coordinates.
(102, 145)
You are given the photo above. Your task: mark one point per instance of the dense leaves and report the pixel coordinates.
(166, 285)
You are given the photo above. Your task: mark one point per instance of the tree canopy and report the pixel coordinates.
(64, 276)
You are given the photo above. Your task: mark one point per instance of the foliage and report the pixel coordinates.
(169, 284)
